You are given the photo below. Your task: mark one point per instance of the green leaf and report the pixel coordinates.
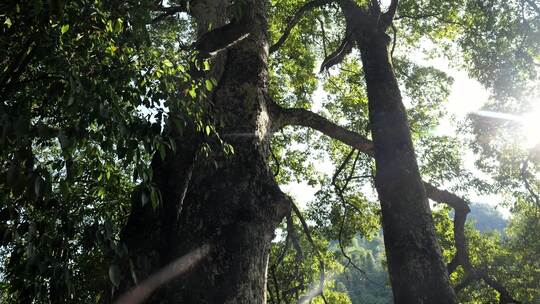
(8, 23)
(167, 63)
(206, 65)
(101, 192)
(64, 28)
(109, 26)
(192, 93)
(118, 25)
(209, 85)
(111, 49)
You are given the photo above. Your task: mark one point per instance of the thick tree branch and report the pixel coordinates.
(222, 38)
(295, 19)
(339, 54)
(388, 16)
(302, 117)
(374, 5)
(306, 118)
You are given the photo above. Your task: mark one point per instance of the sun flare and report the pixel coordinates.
(531, 127)
(530, 123)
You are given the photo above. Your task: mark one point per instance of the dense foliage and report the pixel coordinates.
(86, 92)
(86, 88)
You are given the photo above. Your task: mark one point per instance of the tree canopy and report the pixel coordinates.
(111, 110)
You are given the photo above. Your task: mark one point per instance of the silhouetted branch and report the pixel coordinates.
(417, 17)
(222, 38)
(310, 240)
(339, 54)
(302, 117)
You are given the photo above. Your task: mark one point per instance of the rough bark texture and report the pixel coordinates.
(234, 207)
(415, 264)
(366, 23)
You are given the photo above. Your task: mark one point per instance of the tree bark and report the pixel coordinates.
(417, 271)
(234, 205)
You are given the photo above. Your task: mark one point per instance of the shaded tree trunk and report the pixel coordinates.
(417, 271)
(233, 205)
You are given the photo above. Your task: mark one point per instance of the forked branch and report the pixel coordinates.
(306, 118)
(388, 16)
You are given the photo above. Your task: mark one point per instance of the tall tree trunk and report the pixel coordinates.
(233, 207)
(417, 271)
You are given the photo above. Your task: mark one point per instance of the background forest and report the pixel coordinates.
(101, 101)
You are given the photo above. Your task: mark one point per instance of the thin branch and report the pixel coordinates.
(295, 19)
(341, 167)
(345, 203)
(276, 160)
(528, 186)
(505, 297)
(323, 33)
(273, 267)
(417, 17)
(307, 118)
(185, 186)
(291, 232)
(310, 240)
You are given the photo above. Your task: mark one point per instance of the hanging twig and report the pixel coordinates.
(310, 240)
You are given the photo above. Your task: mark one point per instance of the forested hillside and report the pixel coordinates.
(144, 146)
(370, 284)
